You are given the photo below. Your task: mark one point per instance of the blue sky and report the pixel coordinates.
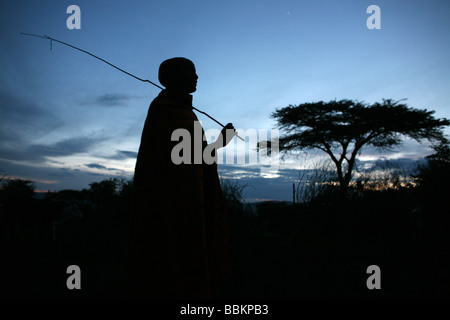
(68, 119)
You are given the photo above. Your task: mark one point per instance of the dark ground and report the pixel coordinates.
(320, 251)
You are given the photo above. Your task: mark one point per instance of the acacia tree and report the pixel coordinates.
(342, 128)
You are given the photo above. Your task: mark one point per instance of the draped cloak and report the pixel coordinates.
(178, 246)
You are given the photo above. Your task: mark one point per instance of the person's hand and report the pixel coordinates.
(227, 134)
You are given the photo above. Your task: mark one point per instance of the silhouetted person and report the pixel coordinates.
(178, 246)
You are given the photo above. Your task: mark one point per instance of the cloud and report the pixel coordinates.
(109, 100)
(122, 155)
(67, 147)
(99, 166)
(96, 166)
(76, 144)
(21, 120)
(38, 153)
(128, 154)
(62, 173)
(55, 178)
(405, 164)
(259, 187)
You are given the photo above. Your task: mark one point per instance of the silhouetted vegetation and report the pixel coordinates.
(322, 247)
(15, 190)
(342, 128)
(319, 248)
(432, 192)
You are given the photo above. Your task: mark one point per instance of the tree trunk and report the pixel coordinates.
(348, 174)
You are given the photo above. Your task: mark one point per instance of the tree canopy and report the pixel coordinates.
(342, 128)
(16, 189)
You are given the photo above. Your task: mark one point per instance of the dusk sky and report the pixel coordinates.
(67, 119)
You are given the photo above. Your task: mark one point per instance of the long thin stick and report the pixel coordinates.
(103, 60)
(69, 45)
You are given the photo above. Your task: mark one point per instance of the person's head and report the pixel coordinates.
(178, 74)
